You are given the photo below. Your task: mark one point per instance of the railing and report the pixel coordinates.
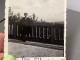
(53, 34)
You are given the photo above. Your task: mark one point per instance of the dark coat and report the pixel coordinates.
(24, 22)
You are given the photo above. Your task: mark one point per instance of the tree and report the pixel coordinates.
(10, 12)
(34, 16)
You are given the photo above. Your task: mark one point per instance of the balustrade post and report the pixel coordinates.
(52, 35)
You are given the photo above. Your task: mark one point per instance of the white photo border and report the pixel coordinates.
(32, 58)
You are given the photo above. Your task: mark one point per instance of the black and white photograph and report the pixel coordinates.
(36, 28)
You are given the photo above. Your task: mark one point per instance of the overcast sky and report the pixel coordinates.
(48, 10)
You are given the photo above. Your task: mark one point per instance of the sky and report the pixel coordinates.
(48, 10)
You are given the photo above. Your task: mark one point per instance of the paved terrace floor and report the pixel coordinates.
(18, 49)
